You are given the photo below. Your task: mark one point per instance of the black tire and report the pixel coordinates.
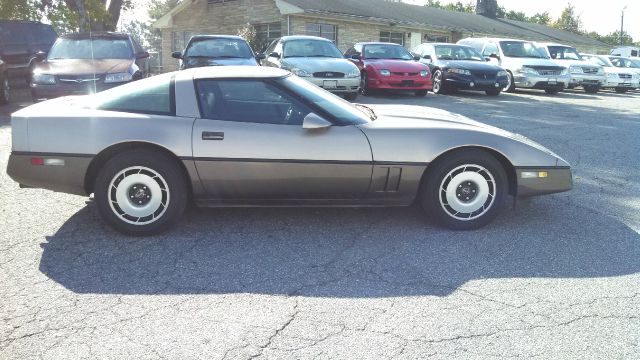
(462, 165)
(364, 84)
(552, 91)
(167, 185)
(511, 86)
(5, 89)
(351, 96)
(438, 83)
(621, 90)
(420, 93)
(493, 92)
(590, 89)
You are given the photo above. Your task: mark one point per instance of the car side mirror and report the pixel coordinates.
(313, 121)
(416, 58)
(275, 55)
(176, 55)
(487, 58)
(260, 56)
(356, 57)
(494, 56)
(428, 58)
(142, 55)
(40, 55)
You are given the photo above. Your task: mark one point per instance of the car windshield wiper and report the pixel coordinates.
(367, 110)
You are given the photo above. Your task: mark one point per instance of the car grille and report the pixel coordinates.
(328, 74)
(590, 70)
(484, 75)
(405, 73)
(625, 76)
(548, 70)
(79, 79)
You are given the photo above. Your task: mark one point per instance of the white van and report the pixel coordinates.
(626, 51)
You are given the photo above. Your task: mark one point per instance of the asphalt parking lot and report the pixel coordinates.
(556, 277)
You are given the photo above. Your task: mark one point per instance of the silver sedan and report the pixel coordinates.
(238, 136)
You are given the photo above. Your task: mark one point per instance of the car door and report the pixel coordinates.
(249, 143)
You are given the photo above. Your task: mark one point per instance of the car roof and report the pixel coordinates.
(445, 44)
(552, 44)
(237, 72)
(303, 37)
(495, 39)
(376, 43)
(199, 37)
(96, 34)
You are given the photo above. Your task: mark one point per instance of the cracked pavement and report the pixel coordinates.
(556, 277)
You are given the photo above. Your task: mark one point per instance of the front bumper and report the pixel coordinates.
(558, 179)
(620, 83)
(530, 81)
(471, 82)
(45, 92)
(65, 172)
(336, 85)
(401, 82)
(589, 80)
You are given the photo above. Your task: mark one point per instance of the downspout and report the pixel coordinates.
(288, 24)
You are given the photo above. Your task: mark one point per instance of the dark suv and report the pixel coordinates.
(20, 41)
(85, 63)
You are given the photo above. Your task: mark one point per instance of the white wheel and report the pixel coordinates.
(467, 192)
(138, 195)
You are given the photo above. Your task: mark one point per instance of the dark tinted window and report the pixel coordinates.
(41, 34)
(149, 96)
(13, 33)
(219, 48)
(252, 101)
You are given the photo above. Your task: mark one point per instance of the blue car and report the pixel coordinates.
(217, 50)
(460, 67)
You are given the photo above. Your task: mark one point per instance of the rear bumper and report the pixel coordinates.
(558, 179)
(64, 173)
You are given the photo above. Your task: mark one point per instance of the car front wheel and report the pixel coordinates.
(590, 89)
(141, 193)
(465, 190)
(493, 92)
(511, 86)
(621, 90)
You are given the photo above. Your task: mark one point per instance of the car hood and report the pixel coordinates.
(84, 66)
(516, 63)
(201, 62)
(418, 124)
(468, 65)
(618, 70)
(319, 64)
(397, 65)
(582, 63)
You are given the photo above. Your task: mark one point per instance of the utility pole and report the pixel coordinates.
(622, 26)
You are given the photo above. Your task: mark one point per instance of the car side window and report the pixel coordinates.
(490, 49)
(253, 101)
(151, 96)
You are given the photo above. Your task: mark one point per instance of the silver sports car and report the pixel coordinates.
(238, 136)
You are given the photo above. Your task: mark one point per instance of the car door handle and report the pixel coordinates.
(212, 135)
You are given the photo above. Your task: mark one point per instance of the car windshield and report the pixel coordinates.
(343, 111)
(623, 63)
(310, 48)
(95, 48)
(454, 52)
(563, 53)
(219, 48)
(598, 60)
(636, 63)
(386, 51)
(521, 49)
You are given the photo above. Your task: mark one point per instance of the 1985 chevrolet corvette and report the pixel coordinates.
(233, 136)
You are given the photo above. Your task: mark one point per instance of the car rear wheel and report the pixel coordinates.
(465, 190)
(511, 86)
(5, 89)
(420, 93)
(141, 193)
(621, 90)
(438, 83)
(591, 89)
(552, 91)
(493, 92)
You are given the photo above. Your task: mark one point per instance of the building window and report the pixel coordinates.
(218, 1)
(436, 38)
(179, 40)
(323, 30)
(392, 37)
(266, 33)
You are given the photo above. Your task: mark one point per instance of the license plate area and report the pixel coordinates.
(552, 81)
(407, 83)
(330, 84)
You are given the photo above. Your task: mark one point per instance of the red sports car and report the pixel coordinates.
(389, 66)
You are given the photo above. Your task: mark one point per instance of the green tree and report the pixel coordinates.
(543, 18)
(20, 10)
(569, 20)
(516, 15)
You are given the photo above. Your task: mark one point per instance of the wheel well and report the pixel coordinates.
(99, 160)
(509, 169)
